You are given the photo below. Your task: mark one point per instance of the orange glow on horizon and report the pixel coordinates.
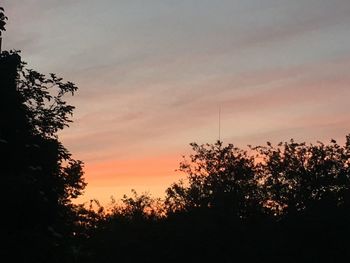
(117, 177)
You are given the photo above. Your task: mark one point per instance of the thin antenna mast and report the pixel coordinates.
(219, 122)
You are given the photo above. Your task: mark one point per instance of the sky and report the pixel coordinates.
(152, 75)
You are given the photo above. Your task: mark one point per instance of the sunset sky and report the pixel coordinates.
(152, 75)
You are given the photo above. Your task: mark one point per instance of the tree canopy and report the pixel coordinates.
(284, 179)
(39, 176)
(3, 19)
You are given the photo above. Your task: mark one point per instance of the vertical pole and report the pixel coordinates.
(219, 122)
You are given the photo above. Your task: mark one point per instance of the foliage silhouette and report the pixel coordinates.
(220, 178)
(288, 202)
(3, 19)
(138, 207)
(298, 177)
(39, 175)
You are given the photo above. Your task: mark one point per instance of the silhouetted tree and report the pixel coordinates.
(290, 197)
(306, 191)
(220, 178)
(297, 177)
(3, 19)
(39, 176)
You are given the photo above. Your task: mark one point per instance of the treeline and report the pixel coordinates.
(288, 202)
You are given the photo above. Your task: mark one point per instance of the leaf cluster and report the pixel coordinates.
(3, 19)
(43, 96)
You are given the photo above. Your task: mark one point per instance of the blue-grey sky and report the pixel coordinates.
(153, 73)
